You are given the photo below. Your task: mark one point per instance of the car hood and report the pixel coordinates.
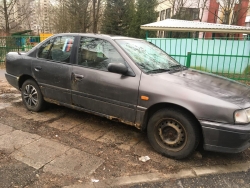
(213, 85)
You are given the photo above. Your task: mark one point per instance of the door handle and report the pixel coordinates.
(38, 68)
(77, 77)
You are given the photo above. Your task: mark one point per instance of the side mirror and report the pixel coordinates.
(117, 68)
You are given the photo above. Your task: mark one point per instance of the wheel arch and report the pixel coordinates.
(23, 78)
(156, 107)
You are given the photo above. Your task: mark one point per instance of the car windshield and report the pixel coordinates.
(148, 57)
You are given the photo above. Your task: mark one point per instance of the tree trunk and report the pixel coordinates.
(96, 10)
(6, 17)
(93, 17)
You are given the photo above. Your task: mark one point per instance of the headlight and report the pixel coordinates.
(242, 116)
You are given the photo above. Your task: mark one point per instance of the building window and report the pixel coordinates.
(162, 15)
(168, 13)
(195, 12)
(189, 13)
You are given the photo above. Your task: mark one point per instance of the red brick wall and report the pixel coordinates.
(242, 12)
(212, 15)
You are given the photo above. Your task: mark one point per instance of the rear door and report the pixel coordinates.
(52, 68)
(96, 89)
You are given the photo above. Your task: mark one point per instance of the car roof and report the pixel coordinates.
(113, 37)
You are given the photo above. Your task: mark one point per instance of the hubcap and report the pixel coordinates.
(171, 134)
(30, 95)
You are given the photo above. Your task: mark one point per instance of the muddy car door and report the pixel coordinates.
(98, 90)
(52, 68)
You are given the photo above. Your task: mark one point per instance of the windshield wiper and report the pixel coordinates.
(158, 70)
(175, 68)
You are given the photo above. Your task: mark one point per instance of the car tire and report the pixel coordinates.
(32, 96)
(173, 133)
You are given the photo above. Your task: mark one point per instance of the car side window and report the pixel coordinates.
(97, 53)
(57, 49)
(61, 49)
(44, 49)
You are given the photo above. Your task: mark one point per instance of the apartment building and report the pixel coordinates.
(33, 15)
(41, 22)
(22, 14)
(39, 16)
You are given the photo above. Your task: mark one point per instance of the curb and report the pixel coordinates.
(153, 177)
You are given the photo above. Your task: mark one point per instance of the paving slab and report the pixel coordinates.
(64, 123)
(2, 74)
(74, 163)
(4, 105)
(92, 134)
(41, 116)
(90, 130)
(40, 152)
(17, 100)
(10, 95)
(5, 129)
(15, 140)
(124, 138)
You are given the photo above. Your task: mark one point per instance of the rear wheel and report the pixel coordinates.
(32, 96)
(173, 133)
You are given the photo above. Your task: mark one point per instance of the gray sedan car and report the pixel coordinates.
(134, 82)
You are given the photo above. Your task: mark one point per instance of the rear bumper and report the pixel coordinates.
(225, 137)
(13, 80)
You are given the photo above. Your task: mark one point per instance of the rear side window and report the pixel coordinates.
(57, 50)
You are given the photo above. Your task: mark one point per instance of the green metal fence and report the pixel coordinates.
(16, 43)
(225, 57)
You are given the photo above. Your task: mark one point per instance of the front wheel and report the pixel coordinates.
(32, 96)
(173, 133)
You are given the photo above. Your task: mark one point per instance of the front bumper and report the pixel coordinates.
(13, 80)
(225, 138)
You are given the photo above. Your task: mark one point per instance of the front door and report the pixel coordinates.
(52, 68)
(96, 89)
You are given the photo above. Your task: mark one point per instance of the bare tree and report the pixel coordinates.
(60, 17)
(77, 15)
(178, 5)
(25, 9)
(231, 11)
(202, 4)
(95, 11)
(13, 14)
